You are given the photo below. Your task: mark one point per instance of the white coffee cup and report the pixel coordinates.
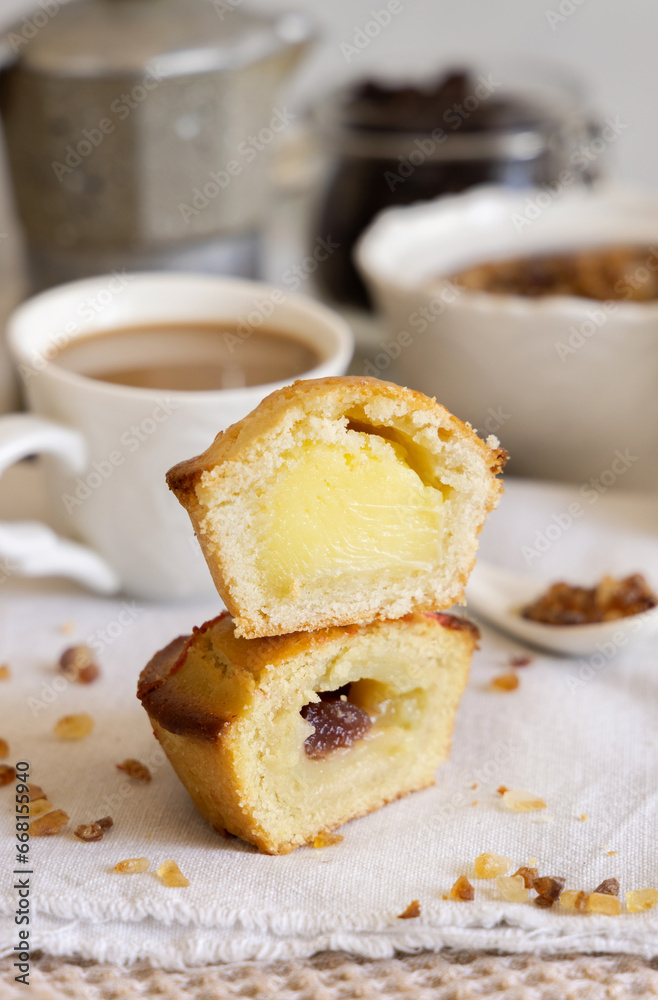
(107, 447)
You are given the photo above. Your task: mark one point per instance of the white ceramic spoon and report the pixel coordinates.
(498, 595)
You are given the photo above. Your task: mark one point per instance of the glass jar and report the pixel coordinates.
(395, 145)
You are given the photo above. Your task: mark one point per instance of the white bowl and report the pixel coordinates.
(570, 385)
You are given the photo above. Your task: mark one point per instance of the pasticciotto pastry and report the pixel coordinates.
(339, 501)
(279, 740)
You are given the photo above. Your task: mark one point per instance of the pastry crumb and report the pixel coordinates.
(328, 839)
(521, 801)
(5, 672)
(583, 817)
(413, 910)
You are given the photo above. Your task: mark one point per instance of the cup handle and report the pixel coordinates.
(28, 548)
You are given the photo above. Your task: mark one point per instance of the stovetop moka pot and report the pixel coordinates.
(138, 132)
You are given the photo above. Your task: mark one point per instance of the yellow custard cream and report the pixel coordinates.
(355, 505)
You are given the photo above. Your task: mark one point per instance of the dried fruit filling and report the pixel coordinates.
(337, 722)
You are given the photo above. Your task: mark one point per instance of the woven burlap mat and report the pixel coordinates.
(330, 975)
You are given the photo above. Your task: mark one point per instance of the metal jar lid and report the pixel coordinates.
(92, 39)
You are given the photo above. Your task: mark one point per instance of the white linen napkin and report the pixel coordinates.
(581, 734)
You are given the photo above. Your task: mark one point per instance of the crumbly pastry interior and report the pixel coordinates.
(339, 501)
(278, 740)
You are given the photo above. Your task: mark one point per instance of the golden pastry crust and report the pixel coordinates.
(218, 489)
(226, 711)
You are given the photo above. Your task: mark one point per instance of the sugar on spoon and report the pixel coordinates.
(498, 595)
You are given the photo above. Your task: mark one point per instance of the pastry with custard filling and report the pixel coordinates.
(278, 740)
(339, 501)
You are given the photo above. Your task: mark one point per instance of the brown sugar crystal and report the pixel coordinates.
(603, 902)
(505, 682)
(567, 604)
(132, 866)
(88, 832)
(574, 899)
(7, 774)
(74, 727)
(548, 890)
(49, 824)
(462, 890)
(172, 876)
(609, 887)
(490, 865)
(40, 807)
(134, 769)
(528, 875)
(78, 665)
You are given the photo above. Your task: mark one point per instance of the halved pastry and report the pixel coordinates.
(278, 740)
(339, 501)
